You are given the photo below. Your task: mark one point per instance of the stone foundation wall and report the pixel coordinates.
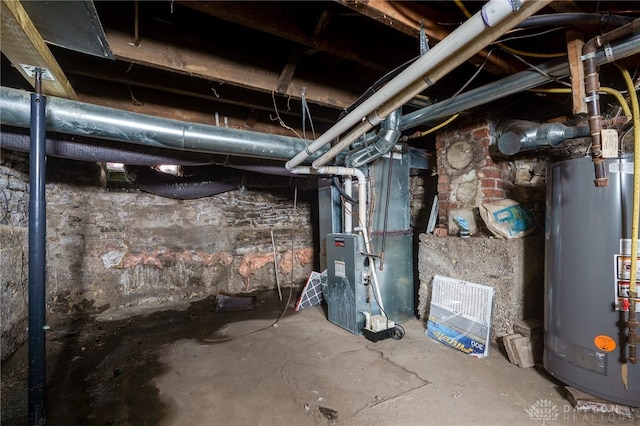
(14, 294)
(115, 253)
(467, 174)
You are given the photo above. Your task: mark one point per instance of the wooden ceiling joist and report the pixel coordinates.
(163, 55)
(271, 18)
(407, 17)
(22, 44)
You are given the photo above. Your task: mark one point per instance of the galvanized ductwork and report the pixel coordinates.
(79, 118)
(387, 138)
(521, 135)
(513, 84)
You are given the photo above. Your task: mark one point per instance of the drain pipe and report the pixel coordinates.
(521, 135)
(37, 257)
(495, 18)
(592, 85)
(387, 138)
(348, 206)
(362, 213)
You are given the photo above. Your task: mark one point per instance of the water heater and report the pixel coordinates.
(588, 251)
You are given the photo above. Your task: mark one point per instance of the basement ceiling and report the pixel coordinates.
(254, 65)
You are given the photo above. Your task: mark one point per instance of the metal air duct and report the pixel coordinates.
(511, 85)
(79, 118)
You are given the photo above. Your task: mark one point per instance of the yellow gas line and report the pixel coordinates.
(635, 216)
(608, 90)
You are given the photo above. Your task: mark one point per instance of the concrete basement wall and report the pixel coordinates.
(117, 253)
(514, 268)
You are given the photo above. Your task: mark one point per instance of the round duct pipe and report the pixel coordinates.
(521, 135)
(83, 119)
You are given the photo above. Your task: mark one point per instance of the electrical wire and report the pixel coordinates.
(306, 112)
(530, 65)
(278, 118)
(375, 86)
(431, 130)
(344, 195)
(532, 35)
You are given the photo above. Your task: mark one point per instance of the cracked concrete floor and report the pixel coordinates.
(304, 371)
(308, 371)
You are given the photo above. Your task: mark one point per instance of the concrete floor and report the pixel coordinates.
(304, 371)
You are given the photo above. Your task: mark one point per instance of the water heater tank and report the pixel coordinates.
(587, 274)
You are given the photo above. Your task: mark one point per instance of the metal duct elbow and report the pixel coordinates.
(387, 138)
(520, 135)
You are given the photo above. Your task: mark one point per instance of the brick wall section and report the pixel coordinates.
(467, 174)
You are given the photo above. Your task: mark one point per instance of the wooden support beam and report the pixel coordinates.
(321, 25)
(252, 119)
(21, 43)
(575, 42)
(287, 73)
(406, 17)
(194, 89)
(275, 18)
(565, 6)
(162, 54)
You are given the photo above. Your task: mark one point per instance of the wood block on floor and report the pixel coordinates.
(521, 346)
(506, 341)
(528, 327)
(585, 403)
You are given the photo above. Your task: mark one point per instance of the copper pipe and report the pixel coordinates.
(592, 85)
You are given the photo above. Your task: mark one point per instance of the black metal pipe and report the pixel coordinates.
(37, 260)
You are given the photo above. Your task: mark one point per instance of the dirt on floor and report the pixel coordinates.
(101, 372)
(199, 366)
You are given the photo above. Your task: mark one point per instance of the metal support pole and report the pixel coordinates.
(37, 258)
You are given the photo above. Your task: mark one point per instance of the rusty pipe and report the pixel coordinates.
(592, 86)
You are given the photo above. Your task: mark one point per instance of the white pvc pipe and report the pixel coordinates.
(472, 36)
(372, 267)
(342, 171)
(348, 207)
(362, 213)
